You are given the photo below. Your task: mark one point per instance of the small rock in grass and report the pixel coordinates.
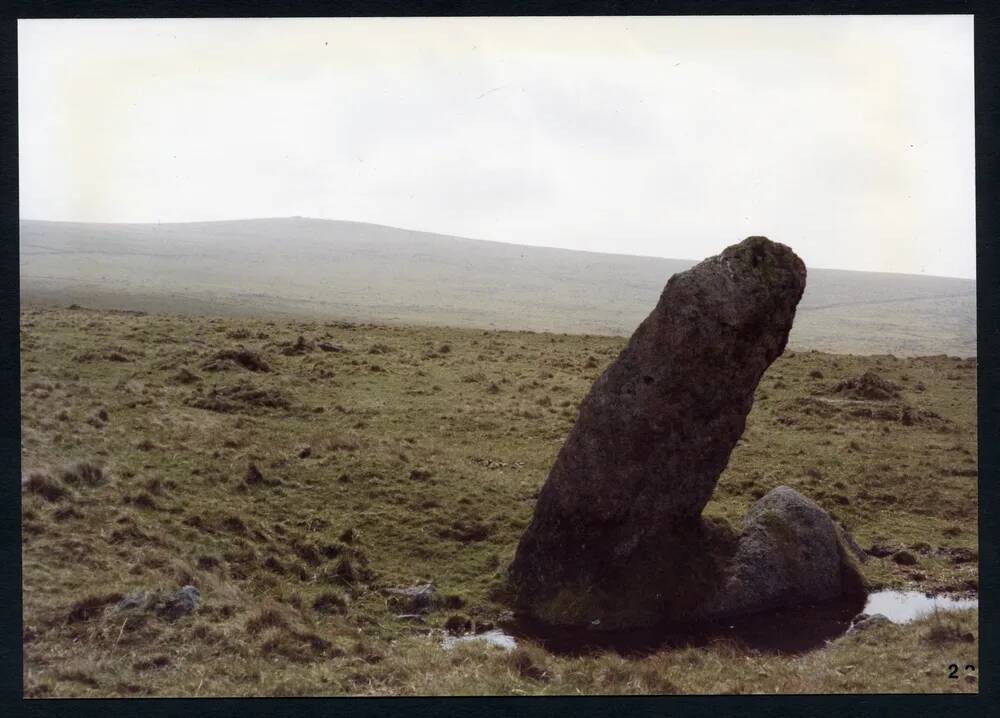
(881, 550)
(170, 606)
(868, 622)
(492, 638)
(132, 601)
(178, 604)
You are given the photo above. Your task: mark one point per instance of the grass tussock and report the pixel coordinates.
(41, 484)
(83, 474)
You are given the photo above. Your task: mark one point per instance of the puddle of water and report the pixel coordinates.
(905, 606)
(786, 631)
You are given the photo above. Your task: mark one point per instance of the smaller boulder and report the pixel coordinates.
(790, 553)
(904, 558)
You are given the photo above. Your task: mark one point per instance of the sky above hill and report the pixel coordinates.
(849, 138)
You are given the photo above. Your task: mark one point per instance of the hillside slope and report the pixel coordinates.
(322, 268)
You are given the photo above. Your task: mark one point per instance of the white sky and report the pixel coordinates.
(849, 138)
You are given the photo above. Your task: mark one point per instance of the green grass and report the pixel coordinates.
(426, 448)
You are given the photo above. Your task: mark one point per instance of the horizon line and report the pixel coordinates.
(456, 236)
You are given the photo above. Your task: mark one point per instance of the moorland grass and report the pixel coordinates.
(410, 455)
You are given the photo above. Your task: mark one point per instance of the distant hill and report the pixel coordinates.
(331, 269)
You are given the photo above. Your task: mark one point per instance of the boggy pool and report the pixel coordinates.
(785, 631)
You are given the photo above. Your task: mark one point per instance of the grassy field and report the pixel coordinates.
(398, 455)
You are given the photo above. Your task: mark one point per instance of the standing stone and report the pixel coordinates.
(617, 539)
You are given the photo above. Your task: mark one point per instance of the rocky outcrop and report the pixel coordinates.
(617, 538)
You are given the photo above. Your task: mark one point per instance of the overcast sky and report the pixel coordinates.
(848, 138)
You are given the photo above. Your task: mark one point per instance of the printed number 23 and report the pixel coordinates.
(953, 670)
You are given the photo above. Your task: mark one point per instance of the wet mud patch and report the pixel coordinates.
(787, 631)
